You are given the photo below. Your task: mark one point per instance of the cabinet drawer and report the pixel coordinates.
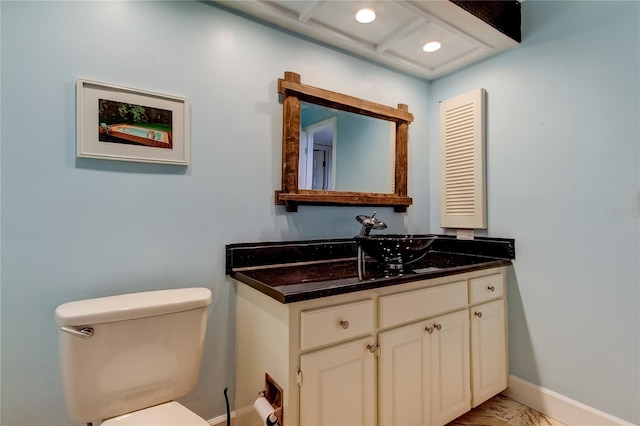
(417, 304)
(336, 323)
(486, 288)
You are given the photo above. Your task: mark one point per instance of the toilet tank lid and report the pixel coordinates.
(130, 306)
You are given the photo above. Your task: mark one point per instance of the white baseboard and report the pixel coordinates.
(244, 416)
(222, 420)
(557, 406)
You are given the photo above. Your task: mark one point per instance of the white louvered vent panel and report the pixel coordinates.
(459, 179)
(462, 161)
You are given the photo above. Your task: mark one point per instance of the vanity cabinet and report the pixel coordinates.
(416, 353)
(488, 338)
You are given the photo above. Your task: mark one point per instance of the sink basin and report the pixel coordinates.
(395, 250)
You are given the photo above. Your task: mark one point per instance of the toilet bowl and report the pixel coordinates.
(125, 358)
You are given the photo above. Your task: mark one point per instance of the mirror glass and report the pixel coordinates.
(343, 151)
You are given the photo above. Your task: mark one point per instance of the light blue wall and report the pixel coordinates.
(79, 228)
(563, 150)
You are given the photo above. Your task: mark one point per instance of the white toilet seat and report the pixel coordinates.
(168, 414)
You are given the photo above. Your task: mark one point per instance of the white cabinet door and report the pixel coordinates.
(403, 391)
(338, 385)
(450, 375)
(424, 372)
(489, 352)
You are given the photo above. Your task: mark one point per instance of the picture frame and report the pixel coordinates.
(126, 124)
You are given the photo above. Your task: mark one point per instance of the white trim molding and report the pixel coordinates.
(557, 406)
(222, 420)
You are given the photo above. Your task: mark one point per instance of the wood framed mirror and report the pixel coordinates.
(294, 93)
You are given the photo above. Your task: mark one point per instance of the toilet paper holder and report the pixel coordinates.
(274, 394)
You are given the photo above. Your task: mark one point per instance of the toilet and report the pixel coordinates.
(125, 358)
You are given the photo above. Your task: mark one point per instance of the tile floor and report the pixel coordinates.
(503, 411)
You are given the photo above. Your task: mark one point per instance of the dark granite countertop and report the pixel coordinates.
(301, 270)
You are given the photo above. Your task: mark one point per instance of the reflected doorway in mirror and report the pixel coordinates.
(317, 155)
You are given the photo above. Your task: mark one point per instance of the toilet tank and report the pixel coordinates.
(145, 349)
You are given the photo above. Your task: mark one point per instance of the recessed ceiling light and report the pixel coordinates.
(364, 16)
(432, 46)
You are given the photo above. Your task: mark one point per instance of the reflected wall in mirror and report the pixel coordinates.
(343, 151)
(336, 184)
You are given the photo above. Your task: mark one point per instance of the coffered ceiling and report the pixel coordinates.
(395, 38)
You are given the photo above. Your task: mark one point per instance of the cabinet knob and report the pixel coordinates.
(478, 314)
(372, 348)
(344, 324)
(491, 288)
(428, 329)
(437, 326)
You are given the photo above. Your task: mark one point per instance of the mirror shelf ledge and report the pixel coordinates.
(316, 197)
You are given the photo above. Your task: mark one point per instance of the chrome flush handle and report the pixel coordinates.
(83, 333)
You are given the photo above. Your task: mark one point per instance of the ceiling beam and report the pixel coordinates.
(306, 14)
(400, 35)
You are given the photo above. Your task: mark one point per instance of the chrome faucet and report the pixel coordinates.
(369, 223)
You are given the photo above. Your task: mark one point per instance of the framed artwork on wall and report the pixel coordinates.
(121, 123)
